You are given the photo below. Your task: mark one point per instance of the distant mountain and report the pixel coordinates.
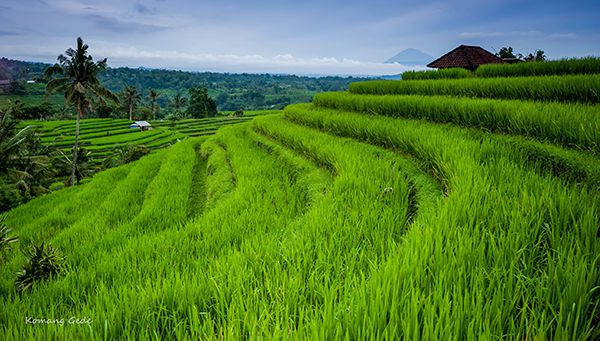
(411, 57)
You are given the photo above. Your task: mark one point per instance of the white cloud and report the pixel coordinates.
(565, 36)
(478, 35)
(518, 34)
(282, 63)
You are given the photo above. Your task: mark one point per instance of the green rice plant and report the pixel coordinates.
(572, 125)
(63, 213)
(437, 74)
(220, 176)
(111, 216)
(573, 66)
(497, 257)
(165, 255)
(43, 263)
(197, 198)
(572, 88)
(232, 260)
(329, 225)
(47, 216)
(168, 191)
(313, 180)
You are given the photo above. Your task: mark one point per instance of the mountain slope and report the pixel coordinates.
(411, 57)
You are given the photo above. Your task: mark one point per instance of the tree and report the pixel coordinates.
(24, 165)
(78, 79)
(17, 88)
(540, 56)
(153, 95)
(506, 52)
(178, 101)
(131, 99)
(201, 105)
(537, 57)
(83, 165)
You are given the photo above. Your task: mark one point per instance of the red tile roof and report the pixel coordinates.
(464, 56)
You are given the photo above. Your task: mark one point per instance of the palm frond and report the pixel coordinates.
(55, 69)
(103, 92)
(56, 85)
(16, 140)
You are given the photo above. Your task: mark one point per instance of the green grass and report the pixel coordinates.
(577, 88)
(571, 125)
(437, 74)
(589, 65)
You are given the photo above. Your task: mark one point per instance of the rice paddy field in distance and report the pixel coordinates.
(442, 207)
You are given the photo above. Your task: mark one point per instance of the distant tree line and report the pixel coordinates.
(508, 53)
(228, 91)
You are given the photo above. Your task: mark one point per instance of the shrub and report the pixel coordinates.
(43, 262)
(135, 152)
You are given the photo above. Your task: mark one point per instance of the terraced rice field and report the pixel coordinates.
(358, 216)
(101, 136)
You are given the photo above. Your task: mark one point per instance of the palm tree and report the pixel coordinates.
(78, 79)
(131, 99)
(153, 95)
(25, 170)
(178, 101)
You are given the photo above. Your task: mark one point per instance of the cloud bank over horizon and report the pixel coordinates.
(312, 37)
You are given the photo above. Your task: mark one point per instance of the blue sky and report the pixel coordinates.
(284, 36)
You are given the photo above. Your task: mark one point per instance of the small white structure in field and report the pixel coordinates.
(142, 125)
(31, 82)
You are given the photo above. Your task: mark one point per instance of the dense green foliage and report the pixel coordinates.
(575, 88)
(230, 91)
(200, 104)
(590, 65)
(437, 74)
(25, 164)
(356, 217)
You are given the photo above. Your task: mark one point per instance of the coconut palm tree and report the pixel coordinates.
(25, 170)
(153, 95)
(78, 79)
(178, 101)
(131, 99)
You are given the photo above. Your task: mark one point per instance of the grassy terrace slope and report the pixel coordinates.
(589, 65)
(355, 217)
(570, 88)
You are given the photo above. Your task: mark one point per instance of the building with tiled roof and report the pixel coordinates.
(466, 57)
